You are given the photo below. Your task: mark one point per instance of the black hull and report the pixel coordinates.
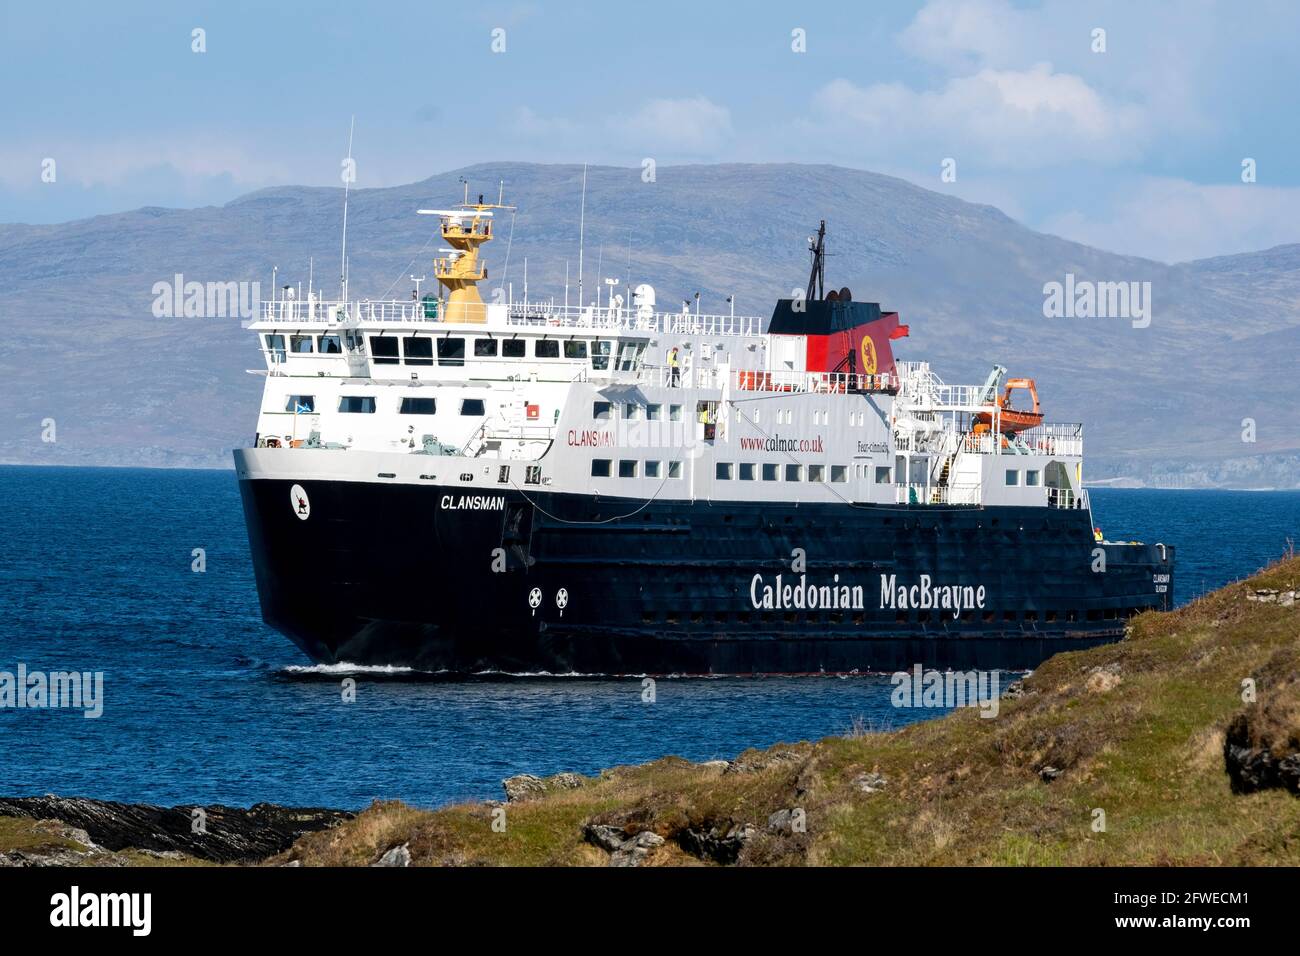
(388, 574)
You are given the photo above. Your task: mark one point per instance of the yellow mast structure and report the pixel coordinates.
(464, 230)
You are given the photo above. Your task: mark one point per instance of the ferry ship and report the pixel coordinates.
(452, 484)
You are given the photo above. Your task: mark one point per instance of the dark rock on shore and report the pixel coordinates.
(225, 834)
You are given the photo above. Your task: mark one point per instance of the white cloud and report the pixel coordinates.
(694, 125)
(1016, 118)
(969, 33)
(1173, 220)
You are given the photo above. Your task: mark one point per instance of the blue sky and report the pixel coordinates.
(1137, 149)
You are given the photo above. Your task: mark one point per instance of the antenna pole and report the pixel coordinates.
(582, 222)
(347, 183)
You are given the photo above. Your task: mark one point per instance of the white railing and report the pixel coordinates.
(758, 380)
(364, 310)
(632, 319)
(1054, 439)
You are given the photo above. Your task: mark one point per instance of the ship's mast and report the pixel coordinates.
(817, 278)
(460, 271)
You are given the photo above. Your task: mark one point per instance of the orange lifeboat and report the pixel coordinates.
(1012, 420)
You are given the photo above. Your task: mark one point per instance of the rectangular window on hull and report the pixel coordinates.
(722, 471)
(816, 472)
(602, 411)
(383, 349)
(674, 469)
(882, 475)
(770, 472)
(839, 474)
(1032, 478)
(653, 469)
(472, 406)
(600, 467)
(357, 404)
(627, 469)
(1013, 477)
(747, 471)
(419, 406)
(794, 472)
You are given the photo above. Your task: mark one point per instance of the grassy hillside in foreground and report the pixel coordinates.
(1135, 729)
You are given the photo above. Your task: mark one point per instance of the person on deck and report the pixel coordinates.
(675, 365)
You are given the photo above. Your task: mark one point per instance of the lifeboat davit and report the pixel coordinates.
(1012, 420)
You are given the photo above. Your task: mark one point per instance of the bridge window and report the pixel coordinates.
(275, 345)
(722, 471)
(769, 472)
(627, 468)
(816, 472)
(472, 406)
(300, 344)
(485, 348)
(1013, 477)
(383, 349)
(575, 349)
(600, 467)
(602, 411)
(512, 348)
(794, 472)
(882, 475)
(329, 345)
(301, 404)
(600, 351)
(419, 406)
(451, 352)
(357, 404)
(546, 348)
(653, 469)
(839, 474)
(418, 351)
(747, 471)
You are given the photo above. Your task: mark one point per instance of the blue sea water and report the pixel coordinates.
(204, 703)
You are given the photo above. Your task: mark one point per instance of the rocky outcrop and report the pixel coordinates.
(217, 833)
(716, 844)
(525, 786)
(623, 850)
(397, 856)
(1258, 756)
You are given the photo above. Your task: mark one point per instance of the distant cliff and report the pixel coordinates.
(1213, 370)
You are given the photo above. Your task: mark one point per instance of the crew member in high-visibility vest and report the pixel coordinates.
(675, 365)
